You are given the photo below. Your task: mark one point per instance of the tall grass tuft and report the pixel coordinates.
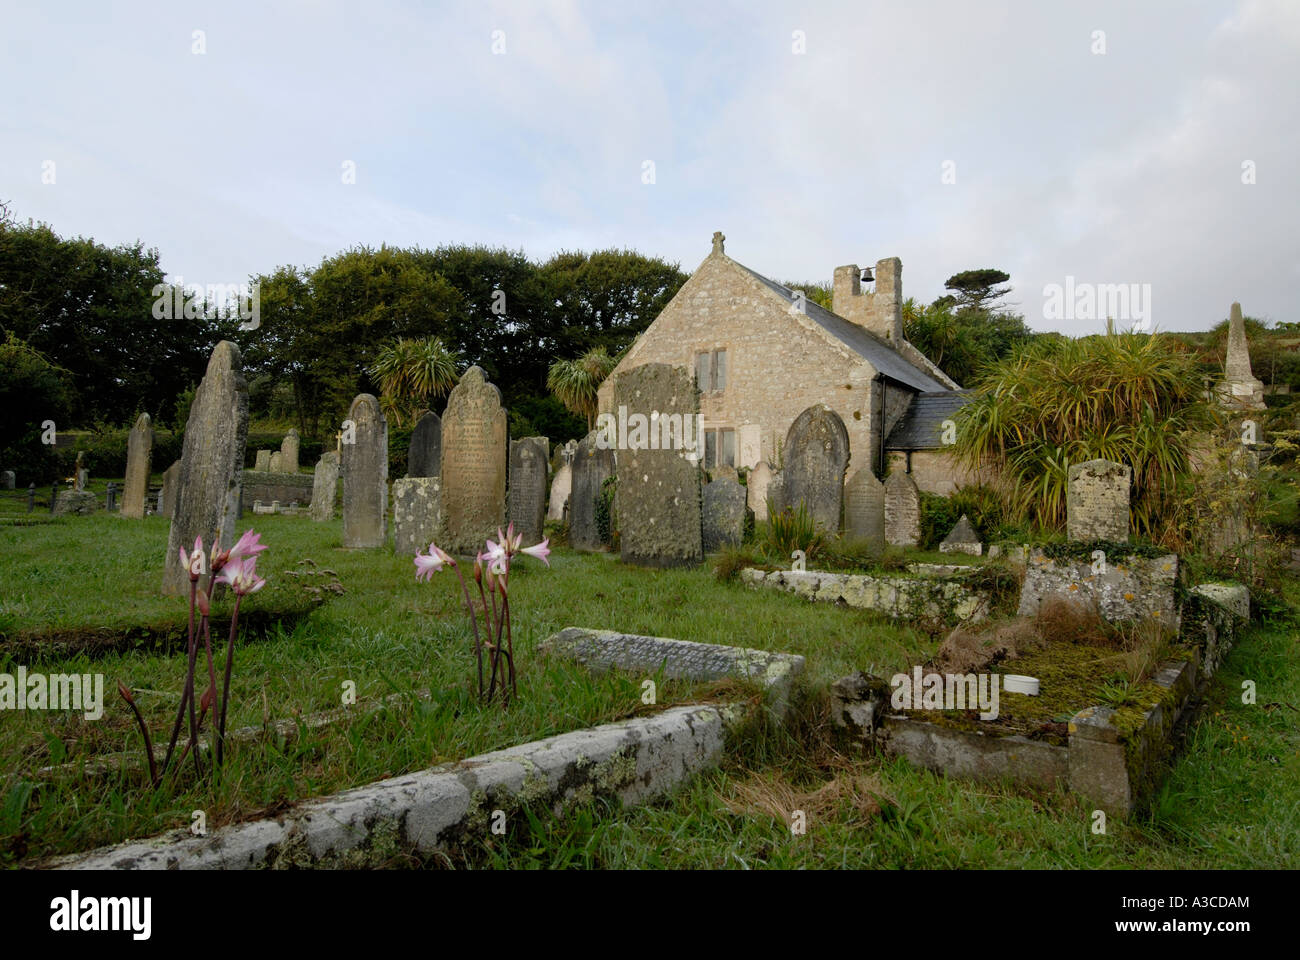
(791, 529)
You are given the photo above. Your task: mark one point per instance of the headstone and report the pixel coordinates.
(962, 539)
(1097, 501)
(527, 507)
(424, 456)
(167, 495)
(864, 509)
(31, 497)
(776, 492)
(902, 510)
(592, 466)
(277, 462)
(289, 452)
(658, 481)
(208, 483)
(78, 502)
(417, 514)
(110, 497)
(724, 471)
(365, 476)
(263, 463)
(756, 489)
(473, 466)
(561, 488)
(325, 486)
(83, 479)
(9, 480)
(750, 441)
(79, 473)
(139, 462)
(723, 512)
(816, 456)
(1240, 389)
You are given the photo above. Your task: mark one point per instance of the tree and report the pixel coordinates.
(34, 391)
(977, 289)
(410, 373)
(575, 382)
(962, 342)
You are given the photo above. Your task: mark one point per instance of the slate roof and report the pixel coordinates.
(865, 344)
(921, 427)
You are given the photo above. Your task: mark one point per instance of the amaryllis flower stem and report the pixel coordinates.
(510, 644)
(189, 688)
(148, 741)
(225, 686)
(212, 671)
(180, 711)
(473, 622)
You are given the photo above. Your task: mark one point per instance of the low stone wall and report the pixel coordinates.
(945, 599)
(1110, 761)
(268, 487)
(1127, 588)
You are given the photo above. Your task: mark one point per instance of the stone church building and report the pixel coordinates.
(763, 353)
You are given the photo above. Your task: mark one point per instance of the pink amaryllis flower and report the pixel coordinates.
(427, 564)
(247, 545)
(194, 560)
(240, 574)
(541, 551)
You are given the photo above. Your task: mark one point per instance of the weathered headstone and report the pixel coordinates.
(289, 452)
(139, 461)
(277, 462)
(775, 493)
(723, 471)
(365, 475)
(723, 509)
(208, 483)
(864, 509)
(167, 495)
(417, 514)
(592, 466)
(424, 456)
(561, 489)
(658, 484)
(110, 497)
(78, 502)
(1240, 389)
(962, 538)
(528, 465)
(902, 510)
(816, 455)
(473, 467)
(756, 490)
(1097, 501)
(263, 463)
(325, 486)
(10, 480)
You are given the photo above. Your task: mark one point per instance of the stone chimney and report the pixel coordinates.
(880, 312)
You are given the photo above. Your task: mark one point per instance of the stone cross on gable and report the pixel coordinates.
(718, 240)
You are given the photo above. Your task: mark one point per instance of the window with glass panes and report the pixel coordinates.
(711, 371)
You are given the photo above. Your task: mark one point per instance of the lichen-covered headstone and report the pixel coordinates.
(816, 455)
(424, 456)
(592, 466)
(324, 486)
(756, 490)
(75, 502)
(139, 461)
(962, 538)
(1097, 501)
(263, 463)
(365, 475)
(561, 489)
(212, 458)
(864, 509)
(289, 452)
(724, 471)
(473, 468)
(902, 510)
(417, 514)
(658, 480)
(277, 462)
(167, 495)
(527, 500)
(724, 512)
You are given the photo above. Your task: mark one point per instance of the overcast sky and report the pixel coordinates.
(1117, 167)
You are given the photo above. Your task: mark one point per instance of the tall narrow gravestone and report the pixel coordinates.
(324, 487)
(208, 483)
(816, 456)
(424, 456)
(864, 509)
(759, 479)
(139, 460)
(167, 495)
(724, 512)
(473, 469)
(593, 464)
(561, 489)
(289, 452)
(365, 475)
(1097, 501)
(902, 510)
(528, 465)
(658, 479)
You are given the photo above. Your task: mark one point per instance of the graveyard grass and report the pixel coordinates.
(1233, 799)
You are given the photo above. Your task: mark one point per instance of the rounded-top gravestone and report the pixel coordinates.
(365, 475)
(816, 455)
(473, 469)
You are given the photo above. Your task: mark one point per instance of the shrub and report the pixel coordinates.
(606, 520)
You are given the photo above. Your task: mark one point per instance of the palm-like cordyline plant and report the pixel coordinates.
(1129, 397)
(575, 382)
(410, 373)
